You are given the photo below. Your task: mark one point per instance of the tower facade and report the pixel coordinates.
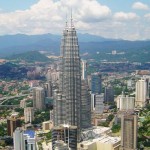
(129, 131)
(141, 93)
(96, 83)
(38, 98)
(125, 103)
(86, 105)
(109, 95)
(67, 103)
(28, 114)
(12, 124)
(83, 64)
(48, 89)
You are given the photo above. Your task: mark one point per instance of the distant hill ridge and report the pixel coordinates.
(13, 44)
(30, 56)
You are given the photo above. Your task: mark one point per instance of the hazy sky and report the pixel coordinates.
(127, 19)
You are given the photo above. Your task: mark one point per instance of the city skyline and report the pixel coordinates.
(128, 20)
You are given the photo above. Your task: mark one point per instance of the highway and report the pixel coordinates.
(4, 99)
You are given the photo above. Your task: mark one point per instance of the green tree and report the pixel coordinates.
(115, 128)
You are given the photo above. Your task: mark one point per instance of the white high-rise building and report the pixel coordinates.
(83, 64)
(125, 103)
(92, 102)
(141, 93)
(24, 140)
(38, 98)
(28, 114)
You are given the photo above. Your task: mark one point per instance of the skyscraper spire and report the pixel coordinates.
(66, 21)
(71, 19)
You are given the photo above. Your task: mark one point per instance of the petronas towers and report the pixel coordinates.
(68, 97)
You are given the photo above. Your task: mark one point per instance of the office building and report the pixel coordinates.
(83, 66)
(109, 95)
(93, 102)
(129, 131)
(96, 85)
(141, 93)
(125, 103)
(99, 105)
(48, 89)
(38, 98)
(85, 105)
(67, 99)
(66, 133)
(23, 103)
(28, 114)
(52, 75)
(12, 124)
(147, 78)
(24, 140)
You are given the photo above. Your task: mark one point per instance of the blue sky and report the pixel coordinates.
(12, 5)
(115, 5)
(127, 19)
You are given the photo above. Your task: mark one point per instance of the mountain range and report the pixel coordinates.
(14, 44)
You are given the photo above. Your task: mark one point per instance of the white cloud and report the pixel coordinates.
(122, 16)
(147, 16)
(140, 6)
(49, 16)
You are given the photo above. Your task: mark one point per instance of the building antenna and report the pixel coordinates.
(66, 20)
(71, 19)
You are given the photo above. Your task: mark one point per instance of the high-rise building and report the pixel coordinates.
(141, 93)
(12, 124)
(96, 85)
(125, 103)
(109, 95)
(93, 102)
(67, 103)
(129, 131)
(48, 89)
(99, 103)
(38, 98)
(23, 103)
(24, 140)
(66, 133)
(147, 78)
(83, 66)
(28, 114)
(85, 105)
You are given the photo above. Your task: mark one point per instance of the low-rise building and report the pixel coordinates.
(47, 125)
(102, 143)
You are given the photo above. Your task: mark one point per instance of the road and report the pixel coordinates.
(4, 99)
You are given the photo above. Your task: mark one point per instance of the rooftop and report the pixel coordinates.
(103, 139)
(94, 132)
(31, 133)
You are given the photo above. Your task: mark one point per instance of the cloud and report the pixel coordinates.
(49, 16)
(92, 11)
(122, 16)
(147, 16)
(140, 6)
(89, 16)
